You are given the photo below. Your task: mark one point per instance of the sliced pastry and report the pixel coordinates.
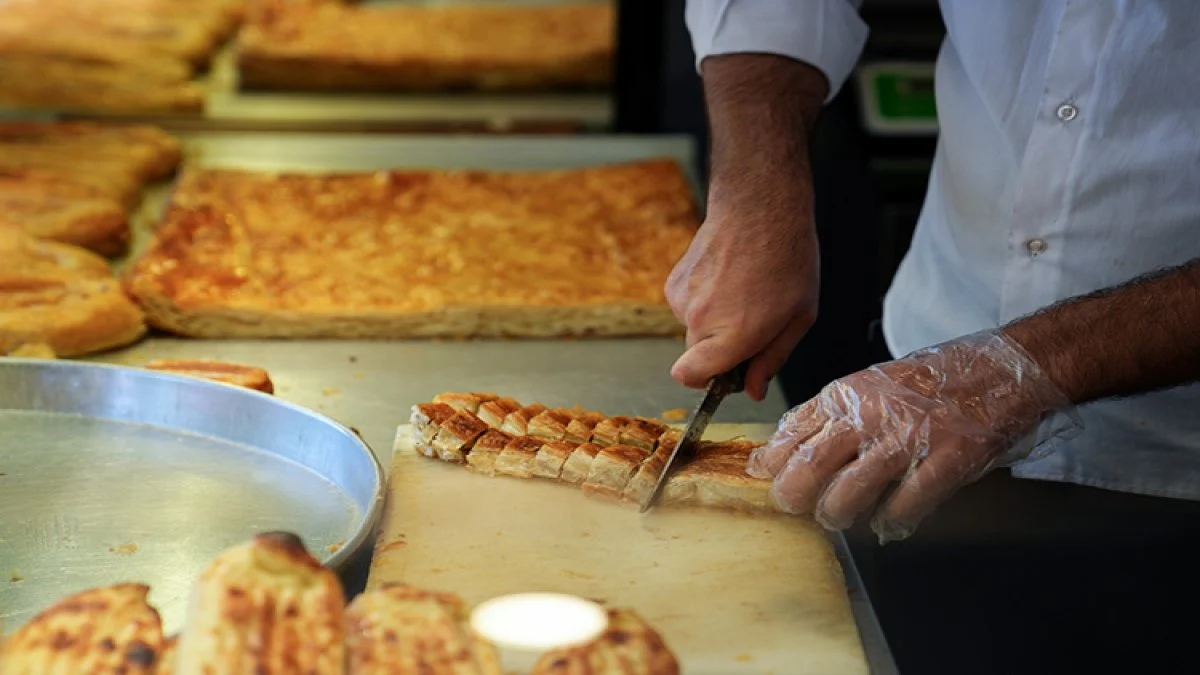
(482, 458)
(612, 468)
(575, 469)
(551, 458)
(518, 457)
(456, 436)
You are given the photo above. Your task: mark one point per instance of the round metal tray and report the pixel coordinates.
(111, 474)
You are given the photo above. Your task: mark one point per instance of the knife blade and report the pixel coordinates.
(731, 382)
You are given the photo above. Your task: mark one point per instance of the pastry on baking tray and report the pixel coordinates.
(510, 46)
(623, 461)
(629, 645)
(238, 374)
(267, 607)
(418, 253)
(401, 630)
(62, 297)
(105, 631)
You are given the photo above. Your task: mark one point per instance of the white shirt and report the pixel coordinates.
(1068, 161)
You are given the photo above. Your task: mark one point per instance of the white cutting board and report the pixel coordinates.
(730, 593)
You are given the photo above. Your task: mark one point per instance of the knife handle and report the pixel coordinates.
(733, 381)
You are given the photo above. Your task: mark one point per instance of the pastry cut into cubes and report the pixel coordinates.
(617, 458)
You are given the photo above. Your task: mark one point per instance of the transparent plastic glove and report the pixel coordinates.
(933, 421)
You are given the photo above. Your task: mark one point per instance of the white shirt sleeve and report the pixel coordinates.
(826, 34)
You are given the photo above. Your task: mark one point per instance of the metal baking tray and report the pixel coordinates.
(111, 474)
(229, 107)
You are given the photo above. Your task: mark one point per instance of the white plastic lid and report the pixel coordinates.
(539, 621)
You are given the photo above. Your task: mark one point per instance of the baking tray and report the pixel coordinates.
(111, 474)
(231, 108)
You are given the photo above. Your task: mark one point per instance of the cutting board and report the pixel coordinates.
(731, 593)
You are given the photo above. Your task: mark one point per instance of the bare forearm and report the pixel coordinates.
(761, 109)
(1134, 338)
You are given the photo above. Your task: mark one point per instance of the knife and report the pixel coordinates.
(731, 382)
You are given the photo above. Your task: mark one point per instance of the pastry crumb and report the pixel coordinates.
(576, 575)
(336, 546)
(353, 359)
(15, 577)
(674, 414)
(331, 391)
(743, 658)
(124, 549)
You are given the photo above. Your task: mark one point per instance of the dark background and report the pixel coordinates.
(1012, 576)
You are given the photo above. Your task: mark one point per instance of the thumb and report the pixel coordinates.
(709, 357)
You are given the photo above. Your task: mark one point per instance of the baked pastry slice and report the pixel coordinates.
(517, 422)
(611, 470)
(575, 469)
(494, 412)
(518, 457)
(551, 458)
(428, 418)
(608, 431)
(717, 477)
(402, 630)
(628, 646)
(639, 487)
(550, 425)
(642, 433)
(105, 631)
(63, 297)
(266, 607)
(456, 436)
(468, 401)
(581, 426)
(482, 458)
(238, 374)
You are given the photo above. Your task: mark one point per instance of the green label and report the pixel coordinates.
(903, 96)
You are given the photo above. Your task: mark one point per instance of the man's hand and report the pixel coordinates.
(930, 422)
(748, 286)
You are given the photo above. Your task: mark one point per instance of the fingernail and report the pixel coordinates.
(891, 530)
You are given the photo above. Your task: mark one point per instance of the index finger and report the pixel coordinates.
(795, 427)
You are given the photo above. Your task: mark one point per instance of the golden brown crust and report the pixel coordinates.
(468, 401)
(250, 377)
(105, 631)
(401, 630)
(575, 469)
(494, 412)
(482, 458)
(428, 417)
(608, 431)
(264, 607)
(629, 646)
(517, 421)
(611, 470)
(418, 253)
(405, 48)
(642, 433)
(581, 427)
(551, 458)
(457, 435)
(550, 425)
(518, 457)
(63, 297)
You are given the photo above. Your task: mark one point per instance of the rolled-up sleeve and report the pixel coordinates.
(826, 34)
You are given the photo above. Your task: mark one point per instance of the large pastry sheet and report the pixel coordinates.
(731, 593)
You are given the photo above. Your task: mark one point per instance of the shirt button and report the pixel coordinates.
(1035, 246)
(1067, 112)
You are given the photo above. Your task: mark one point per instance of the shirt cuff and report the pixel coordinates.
(826, 34)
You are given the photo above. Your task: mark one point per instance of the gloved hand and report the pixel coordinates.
(932, 421)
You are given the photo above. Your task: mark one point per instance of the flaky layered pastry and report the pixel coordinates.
(104, 631)
(62, 298)
(250, 377)
(628, 646)
(402, 630)
(266, 607)
(109, 55)
(418, 254)
(75, 183)
(412, 47)
(616, 458)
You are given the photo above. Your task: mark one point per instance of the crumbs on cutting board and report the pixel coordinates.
(575, 575)
(331, 391)
(124, 549)
(15, 577)
(674, 414)
(743, 658)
